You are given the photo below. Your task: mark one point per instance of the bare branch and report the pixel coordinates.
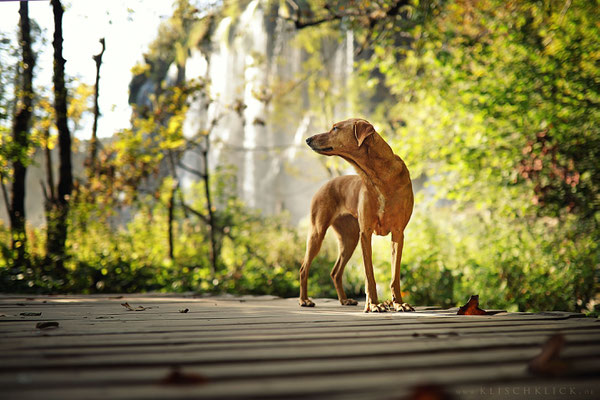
(262, 148)
(373, 17)
(94, 141)
(191, 170)
(44, 191)
(195, 212)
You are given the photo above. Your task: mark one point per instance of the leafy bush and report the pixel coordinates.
(518, 264)
(513, 264)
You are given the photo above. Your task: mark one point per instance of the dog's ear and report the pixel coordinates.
(362, 130)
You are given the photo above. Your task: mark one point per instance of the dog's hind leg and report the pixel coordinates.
(313, 245)
(347, 231)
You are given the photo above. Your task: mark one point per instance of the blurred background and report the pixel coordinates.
(172, 156)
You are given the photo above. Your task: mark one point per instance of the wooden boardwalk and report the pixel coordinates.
(266, 348)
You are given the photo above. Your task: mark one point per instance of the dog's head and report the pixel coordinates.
(345, 138)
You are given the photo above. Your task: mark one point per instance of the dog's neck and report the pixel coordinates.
(376, 157)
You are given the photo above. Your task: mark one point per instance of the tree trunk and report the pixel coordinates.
(57, 216)
(49, 191)
(171, 210)
(209, 206)
(51, 195)
(94, 141)
(171, 204)
(20, 131)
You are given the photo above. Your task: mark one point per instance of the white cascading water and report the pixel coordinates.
(241, 63)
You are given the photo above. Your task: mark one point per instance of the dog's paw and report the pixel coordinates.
(403, 307)
(349, 302)
(389, 305)
(306, 303)
(370, 307)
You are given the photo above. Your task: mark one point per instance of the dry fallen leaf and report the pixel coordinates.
(428, 335)
(47, 324)
(429, 392)
(472, 307)
(548, 362)
(184, 310)
(177, 377)
(138, 308)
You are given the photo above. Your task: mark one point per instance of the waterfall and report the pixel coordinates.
(275, 169)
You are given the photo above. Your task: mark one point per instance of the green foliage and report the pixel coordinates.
(507, 97)
(517, 265)
(493, 106)
(8, 67)
(106, 257)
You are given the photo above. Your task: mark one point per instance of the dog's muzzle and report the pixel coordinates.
(310, 143)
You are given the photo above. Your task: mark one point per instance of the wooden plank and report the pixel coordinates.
(246, 310)
(231, 342)
(34, 344)
(392, 382)
(84, 326)
(585, 359)
(200, 355)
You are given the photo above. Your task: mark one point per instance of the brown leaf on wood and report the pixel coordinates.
(429, 392)
(472, 307)
(138, 308)
(428, 335)
(46, 325)
(548, 362)
(184, 310)
(177, 377)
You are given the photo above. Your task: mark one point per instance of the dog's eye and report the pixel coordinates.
(335, 128)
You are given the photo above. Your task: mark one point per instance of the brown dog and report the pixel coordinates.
(379, 200)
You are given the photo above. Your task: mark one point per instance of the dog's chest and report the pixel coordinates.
(391, 213)
(382, 225)
(380, 204)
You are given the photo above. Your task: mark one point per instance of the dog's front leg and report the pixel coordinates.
(397, 244)
(372, 304)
